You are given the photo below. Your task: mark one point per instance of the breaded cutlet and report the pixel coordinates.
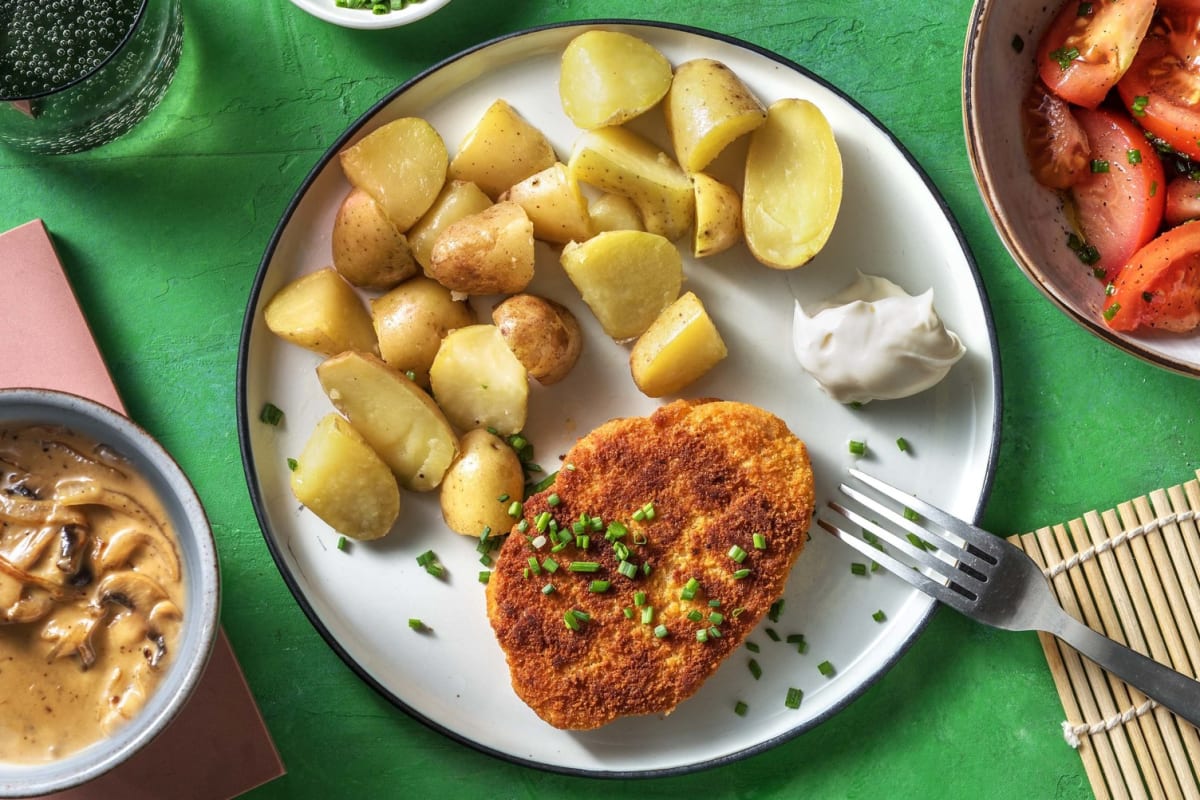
(680, 494)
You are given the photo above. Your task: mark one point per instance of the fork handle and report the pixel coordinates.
(1171, 689)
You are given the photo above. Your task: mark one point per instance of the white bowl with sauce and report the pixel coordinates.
(171, 495)
(364, 18)
(998, 70)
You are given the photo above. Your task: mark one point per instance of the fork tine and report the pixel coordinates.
(974, 536)
(951, 549)
(906, 572)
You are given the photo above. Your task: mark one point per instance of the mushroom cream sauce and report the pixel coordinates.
(90, 592)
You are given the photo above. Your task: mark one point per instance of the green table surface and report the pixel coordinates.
(161, 234)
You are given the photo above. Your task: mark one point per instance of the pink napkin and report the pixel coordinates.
(219, 746)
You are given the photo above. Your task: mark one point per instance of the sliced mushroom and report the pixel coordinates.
(133, 590)
(71, 632)
(122, 545)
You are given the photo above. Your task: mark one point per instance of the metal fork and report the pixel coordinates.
(992, 581)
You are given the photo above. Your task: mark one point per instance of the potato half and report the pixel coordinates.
(502, 149)
(481, 484)
(399, 420)
(608, 78)
(555, 205)
(341, 479)
(490, 252)
(681, 345)
(793, 186)
(411, 321)
(718, 216)
(321, 312)
(367, 248)
(479, 382)
(544, 335)
(707, 108)
(402, 165)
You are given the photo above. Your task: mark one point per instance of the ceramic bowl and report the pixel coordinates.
(362, 18)
(199, 566)
(998, 68)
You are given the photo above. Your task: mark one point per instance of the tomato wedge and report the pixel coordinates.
(1120, 201)
(1089, 46)
(1183, 200)
(1162, 87)
(1160, 286)
(1055, 142)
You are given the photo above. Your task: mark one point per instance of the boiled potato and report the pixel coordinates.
(707, 108)
(367, 249)
(399, 420)
(619, 160)
(543, 335)
(486, 470)
(342, 480)
(625, 277)
(457, 199)
(555, 205)
(793, 186)
(679, 346)
(718, 215)
(402, 165)
(479, 382)
(321, 312)
(608, 78)
(502, 149)
(615, 212)
(490, 252)
(411, 321)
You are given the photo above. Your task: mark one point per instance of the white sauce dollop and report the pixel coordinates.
(874, 341)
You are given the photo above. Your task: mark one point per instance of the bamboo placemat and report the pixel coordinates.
(1132, 572)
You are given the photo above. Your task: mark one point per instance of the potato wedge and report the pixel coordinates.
(620, 161)
(399, 420)
(502, 149)
(486, 253)
(457, 199)
(402, 165)
(718, 216)
(615, 212)
(342, 480)
(625, 277)
(681, 345)
(411, 321)
(367, 249)
(543, 335)
(793, 186)
(608, 78)
(707, 108)
(478, 382)
(555, 205)
(486, 470)
(321, 312)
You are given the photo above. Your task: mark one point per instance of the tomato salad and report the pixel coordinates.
(1113, 121)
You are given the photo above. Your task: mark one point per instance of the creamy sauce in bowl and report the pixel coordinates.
(91, 592)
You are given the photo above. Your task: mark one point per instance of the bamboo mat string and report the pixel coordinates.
(1132, 573)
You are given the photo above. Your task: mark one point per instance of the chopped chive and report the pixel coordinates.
(553, 500)
(879, 616)
(714, 632)
(485, 576)
(793, 698)
(694, 615)
(716, 617)
(1099, 166)
(271, 414)
(911, 515)
(739, 574)
(581, 615)
(417, 625)
(628, 569)
(639, 599)
(858, 568)
(825, 668)
(1063, 56)
(1111, 311)
(583, 541)
(737, 554)
(343, 543)
(571, 620)
(628, 612)
(542, 522)
(548, 588)
(584, 566)
(292, 464)
(771, 634)
(755, 669)
(660, 631)
(598, 587)
(621, 551)
(702, 635)
(647, 614)
(775, 610)
(858, 448)
(1138, 106)
(902, 444)
(534, 567)
(544, 483)
(714, 603)
(689, 589)
(639, 538)
(740, 708)
(616, 530)
(760, 541)
(550, 565)
(1134, 155)
(516, 509)
(752, 647)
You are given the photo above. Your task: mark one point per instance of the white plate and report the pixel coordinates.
(329, 11)
(892, 223)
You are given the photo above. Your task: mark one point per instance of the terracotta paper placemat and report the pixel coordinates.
(218, 747)
(1133, 573)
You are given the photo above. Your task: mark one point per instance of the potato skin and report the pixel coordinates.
(490, 252)
(486, 469)
(367, 248)
(706, 109)
(412, 319)
(544, 335)
(718, 216)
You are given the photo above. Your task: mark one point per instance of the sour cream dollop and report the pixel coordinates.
(874, 341)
